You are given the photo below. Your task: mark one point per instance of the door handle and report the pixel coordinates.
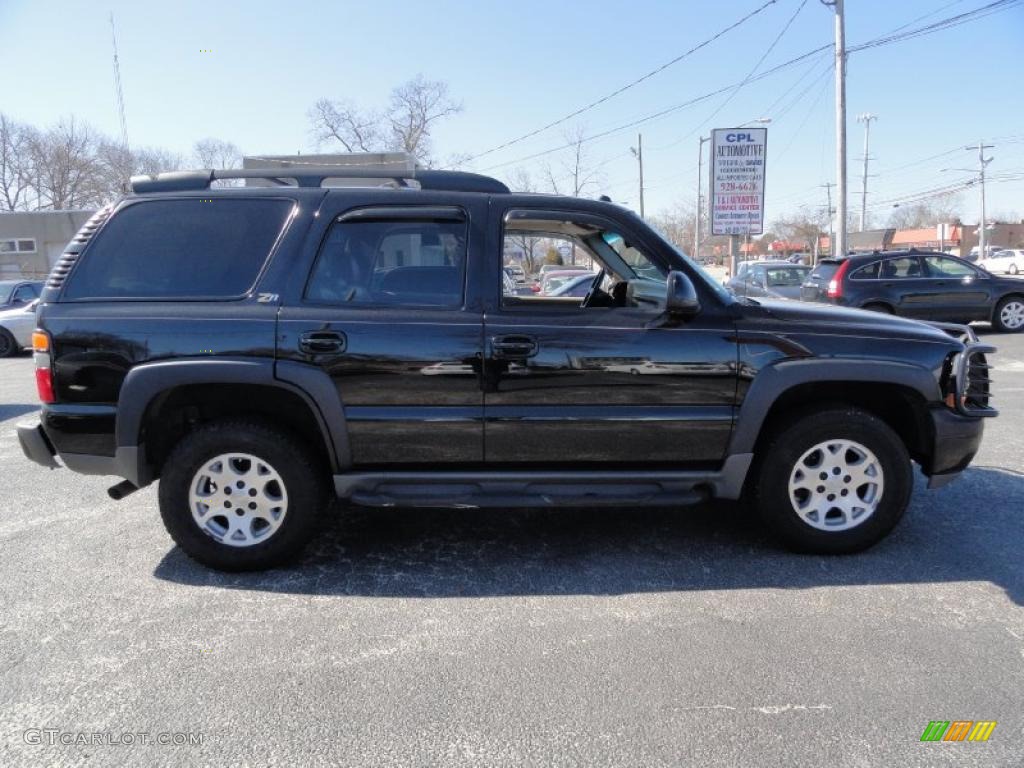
(513, 347)
(322, 342)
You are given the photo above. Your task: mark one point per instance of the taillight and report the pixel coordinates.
(44, 385)
(44, 372)
(835, 285)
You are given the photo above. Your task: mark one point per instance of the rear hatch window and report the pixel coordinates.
(816, 285)
(824, 270)
(196, 248)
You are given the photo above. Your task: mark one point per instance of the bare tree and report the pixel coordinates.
(530, 245)
(343, 122)
(406, 125)
(927, 213)
(66, 173)
(676, 224)
(15, 164)
(576, 174)
(804, 226)
(216, 153)
(415, 107)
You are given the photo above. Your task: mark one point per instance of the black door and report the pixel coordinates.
(609, 381)
(905, 284)
(386, 313)
(958, 290)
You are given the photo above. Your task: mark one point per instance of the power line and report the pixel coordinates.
(627, 86)
(994, 7)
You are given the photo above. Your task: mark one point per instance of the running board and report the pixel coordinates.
(542, 489)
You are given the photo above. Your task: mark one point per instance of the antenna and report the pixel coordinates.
(117, 87)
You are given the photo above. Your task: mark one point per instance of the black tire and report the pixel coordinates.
(885, 309)
(8, 344)
(788, 445)
(997, 320)
(303, 475)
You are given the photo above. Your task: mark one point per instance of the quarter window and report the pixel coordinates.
(185, 248)
(397, 261)
(868, 272)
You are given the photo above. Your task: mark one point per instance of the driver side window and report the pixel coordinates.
(575, 264)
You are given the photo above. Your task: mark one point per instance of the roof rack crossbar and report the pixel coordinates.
(314, 176)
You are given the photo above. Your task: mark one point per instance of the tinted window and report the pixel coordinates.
(940, 267)
(899, 268)
(786, 276)
(868, 272)
(825, 270)
(391, 262)
(25, 293)
(180, 249)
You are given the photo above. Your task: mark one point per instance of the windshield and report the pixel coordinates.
(706, 276)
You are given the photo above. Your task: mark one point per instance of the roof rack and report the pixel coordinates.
(314, 176)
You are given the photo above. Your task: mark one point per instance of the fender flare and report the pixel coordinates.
(147, 381)
(773, 381)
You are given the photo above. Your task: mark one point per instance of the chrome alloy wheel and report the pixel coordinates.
(1012, 314)
(238, 499)
(836, 485)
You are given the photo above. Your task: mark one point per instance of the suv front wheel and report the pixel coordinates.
(241, 495)
(833, 481)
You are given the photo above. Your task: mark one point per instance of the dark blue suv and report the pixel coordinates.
(925, 285)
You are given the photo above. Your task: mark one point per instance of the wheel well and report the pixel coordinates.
(175, 412)
(900, 407)
(870, 304)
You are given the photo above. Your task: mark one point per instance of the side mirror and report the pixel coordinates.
(681, 297)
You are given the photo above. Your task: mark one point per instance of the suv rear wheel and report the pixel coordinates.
(833, 481)
(240, 495)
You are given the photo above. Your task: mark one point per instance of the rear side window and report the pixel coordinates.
(213, 248)
(868, 272)
(825, 270)
(405, 262)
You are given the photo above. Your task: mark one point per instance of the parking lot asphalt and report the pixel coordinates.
(525, 637)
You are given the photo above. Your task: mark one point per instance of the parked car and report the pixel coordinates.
(16, 326)
(18, 293)
(920, 284)
(288, 343)
(550, 281)
(517, 272)
(1009, 261)
(776, 279)
(576, 287)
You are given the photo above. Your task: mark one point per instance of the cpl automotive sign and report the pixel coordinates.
(737, 180)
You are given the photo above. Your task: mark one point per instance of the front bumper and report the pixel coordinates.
(125, 462)
(957, 439)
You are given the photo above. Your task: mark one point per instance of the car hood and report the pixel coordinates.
(810, 315)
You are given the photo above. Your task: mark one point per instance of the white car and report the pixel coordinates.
(1009, 261)
(16, 326)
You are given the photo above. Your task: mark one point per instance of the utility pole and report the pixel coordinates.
(830, 211)
(866, 118)
(981, 146)
(696, 224)
(840, 67)
(638, 153)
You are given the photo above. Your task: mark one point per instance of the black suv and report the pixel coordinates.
(258, 349)
(919, 284)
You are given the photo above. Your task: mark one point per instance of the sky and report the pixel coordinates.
(517, 67)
